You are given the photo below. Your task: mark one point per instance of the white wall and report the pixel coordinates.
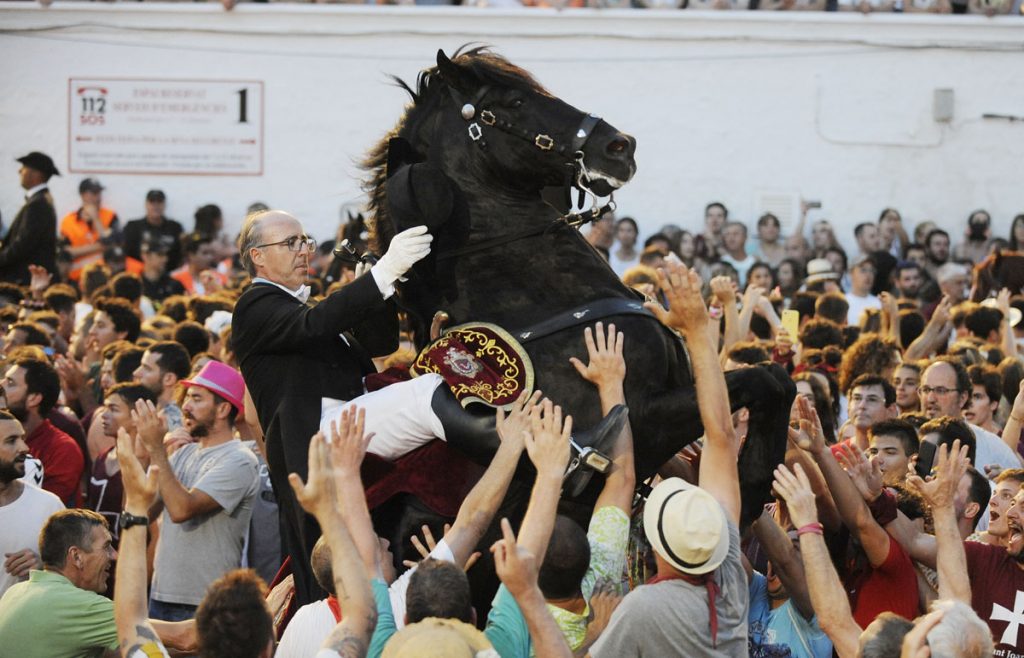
(725, 106)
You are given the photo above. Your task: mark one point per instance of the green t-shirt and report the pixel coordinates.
(608, 537)
(48, 617)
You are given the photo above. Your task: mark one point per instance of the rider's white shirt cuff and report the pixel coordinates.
(386, 288)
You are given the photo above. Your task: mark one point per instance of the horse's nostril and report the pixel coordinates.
(618, 146)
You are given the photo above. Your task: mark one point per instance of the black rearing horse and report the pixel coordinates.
(471, 157)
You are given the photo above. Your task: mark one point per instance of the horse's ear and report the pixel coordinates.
(450, 72)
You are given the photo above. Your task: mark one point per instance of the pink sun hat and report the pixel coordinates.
(223, 380)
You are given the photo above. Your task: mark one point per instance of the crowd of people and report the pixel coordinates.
(183, 413)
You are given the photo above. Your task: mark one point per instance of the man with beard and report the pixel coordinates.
(908, 280)
(31, 387)
(206, 492)
(163, 366)
(23, 508)
(936, 245)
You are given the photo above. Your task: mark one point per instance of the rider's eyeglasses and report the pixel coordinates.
(294, 243)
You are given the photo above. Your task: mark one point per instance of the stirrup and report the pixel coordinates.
(585, 462)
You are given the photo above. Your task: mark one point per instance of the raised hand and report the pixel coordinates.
(405, 250)
(794, 488)
(866, 474)
(940, 490)
(681, 287)
(140, 487)
(810, 436)
(724, 289)
(150, 427)
(547, 444)
(316, 494)
(517, 567)
(347, 444)
(607, 367)
(514, 427)
(426, 546)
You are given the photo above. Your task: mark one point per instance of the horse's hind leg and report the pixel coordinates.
(672, 420)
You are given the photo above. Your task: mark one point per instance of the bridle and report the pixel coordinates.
(572, 151)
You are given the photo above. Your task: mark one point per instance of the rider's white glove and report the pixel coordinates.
(408, 247)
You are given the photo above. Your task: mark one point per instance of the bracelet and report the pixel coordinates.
(811, 529)
(1017, 419)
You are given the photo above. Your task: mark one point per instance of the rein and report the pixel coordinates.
(544, 142)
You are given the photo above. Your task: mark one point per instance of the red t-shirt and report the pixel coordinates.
(62, 459)
(889, 587)
(997, 594)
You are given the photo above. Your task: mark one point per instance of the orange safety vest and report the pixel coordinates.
(78, 233)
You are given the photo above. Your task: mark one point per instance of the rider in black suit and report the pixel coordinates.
(293, 355)
(32, 239)
(295, 358)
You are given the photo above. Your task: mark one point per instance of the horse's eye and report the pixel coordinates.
(517, 103)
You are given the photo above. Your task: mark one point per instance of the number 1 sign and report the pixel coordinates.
(191, 127)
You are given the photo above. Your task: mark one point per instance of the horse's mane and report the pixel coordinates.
(478, 62)
(1010, 273)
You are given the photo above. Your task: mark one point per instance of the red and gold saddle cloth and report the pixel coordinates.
(480, 362)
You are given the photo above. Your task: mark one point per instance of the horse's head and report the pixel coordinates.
(523, 133)
(499, 135)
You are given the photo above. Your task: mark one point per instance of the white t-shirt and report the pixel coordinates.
(857, 306)
(990, 449)
(313, 622)
(620, 266)
(21, 522)
(306, 631)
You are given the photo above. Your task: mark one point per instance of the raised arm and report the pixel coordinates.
(724, 290)
(935, 331)
(940, 492)
(547, 444)
(1015, 421)
(607, 370)
(718, 473)
(137, 634)
(347, 449)
(478, 509)
(351, 637)
(852, 509)
(1009, 341)
(181, 504)
(517, 568)
(827, 595)
(785, 562)
(134, 631)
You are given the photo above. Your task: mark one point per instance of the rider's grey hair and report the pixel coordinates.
(250, 236)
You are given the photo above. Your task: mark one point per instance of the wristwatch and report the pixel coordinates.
(127, 520)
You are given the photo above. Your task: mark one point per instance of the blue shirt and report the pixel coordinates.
(782, 632)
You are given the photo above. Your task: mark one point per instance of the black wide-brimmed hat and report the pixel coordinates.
(40, 162)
